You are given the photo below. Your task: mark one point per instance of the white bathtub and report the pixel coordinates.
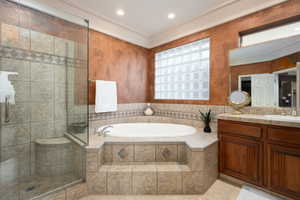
(149, 130)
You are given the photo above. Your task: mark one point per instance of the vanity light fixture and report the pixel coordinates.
(171, 15)
(120, 12)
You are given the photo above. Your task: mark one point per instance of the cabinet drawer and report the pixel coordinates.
(240, 129)
(284, 134)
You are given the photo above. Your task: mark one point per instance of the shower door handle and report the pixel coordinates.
(6, 120)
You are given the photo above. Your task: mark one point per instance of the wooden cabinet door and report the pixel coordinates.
(241, 158)
(284, 170)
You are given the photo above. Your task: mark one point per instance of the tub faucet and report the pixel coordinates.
(103, 131)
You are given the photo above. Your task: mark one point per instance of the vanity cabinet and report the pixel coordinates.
(284, 170)
(241, 150)
(264, 155)
(241, 158)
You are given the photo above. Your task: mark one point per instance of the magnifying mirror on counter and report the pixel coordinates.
(237, 100)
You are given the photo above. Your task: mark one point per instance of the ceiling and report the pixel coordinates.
(148, 17)
(145, 22)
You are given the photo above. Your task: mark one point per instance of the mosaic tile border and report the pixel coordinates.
(21, 54)
(136, 113)
(115, 115)
(180, 111)
(177, 114)
(132, 110)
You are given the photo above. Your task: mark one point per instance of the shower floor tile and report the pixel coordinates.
(220, 190)
(36, 185)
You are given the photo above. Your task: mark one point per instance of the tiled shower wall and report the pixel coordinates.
(43, 63)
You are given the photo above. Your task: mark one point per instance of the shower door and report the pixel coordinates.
(15, 146)
(45, 59)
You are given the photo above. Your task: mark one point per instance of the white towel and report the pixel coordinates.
(106, 96)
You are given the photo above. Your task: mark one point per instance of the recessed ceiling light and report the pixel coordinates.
(120, 12)
(171, 15)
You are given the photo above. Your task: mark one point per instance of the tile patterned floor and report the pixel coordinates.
(220, 190)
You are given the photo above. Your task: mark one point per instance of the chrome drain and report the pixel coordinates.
(29, 189)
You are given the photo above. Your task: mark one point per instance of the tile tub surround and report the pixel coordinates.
(124, 111)
(152, 167)
(107, 158)
(144, 153)
(176, 113)
(197, 142)
(95, 124)
(171, 113)
(220, 190)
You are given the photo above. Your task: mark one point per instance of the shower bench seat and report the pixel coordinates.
(53, 156)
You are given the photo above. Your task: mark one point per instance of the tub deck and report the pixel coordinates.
(196, 142)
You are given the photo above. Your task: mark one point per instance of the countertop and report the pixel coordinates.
(259, 119)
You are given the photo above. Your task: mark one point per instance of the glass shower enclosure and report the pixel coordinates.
(43, 100)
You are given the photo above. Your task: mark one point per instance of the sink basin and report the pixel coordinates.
(283, 118)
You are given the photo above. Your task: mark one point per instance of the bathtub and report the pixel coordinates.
(149, 130)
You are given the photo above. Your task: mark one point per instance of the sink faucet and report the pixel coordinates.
(103, 131)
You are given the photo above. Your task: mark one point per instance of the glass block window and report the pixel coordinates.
(182, 73)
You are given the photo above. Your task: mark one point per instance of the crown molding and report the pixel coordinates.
(220, 6)
(230, 10)
(76, 15)
(226, 13)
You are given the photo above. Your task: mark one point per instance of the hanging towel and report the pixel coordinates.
(106, 96)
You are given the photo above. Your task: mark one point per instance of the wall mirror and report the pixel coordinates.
(268, 72)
